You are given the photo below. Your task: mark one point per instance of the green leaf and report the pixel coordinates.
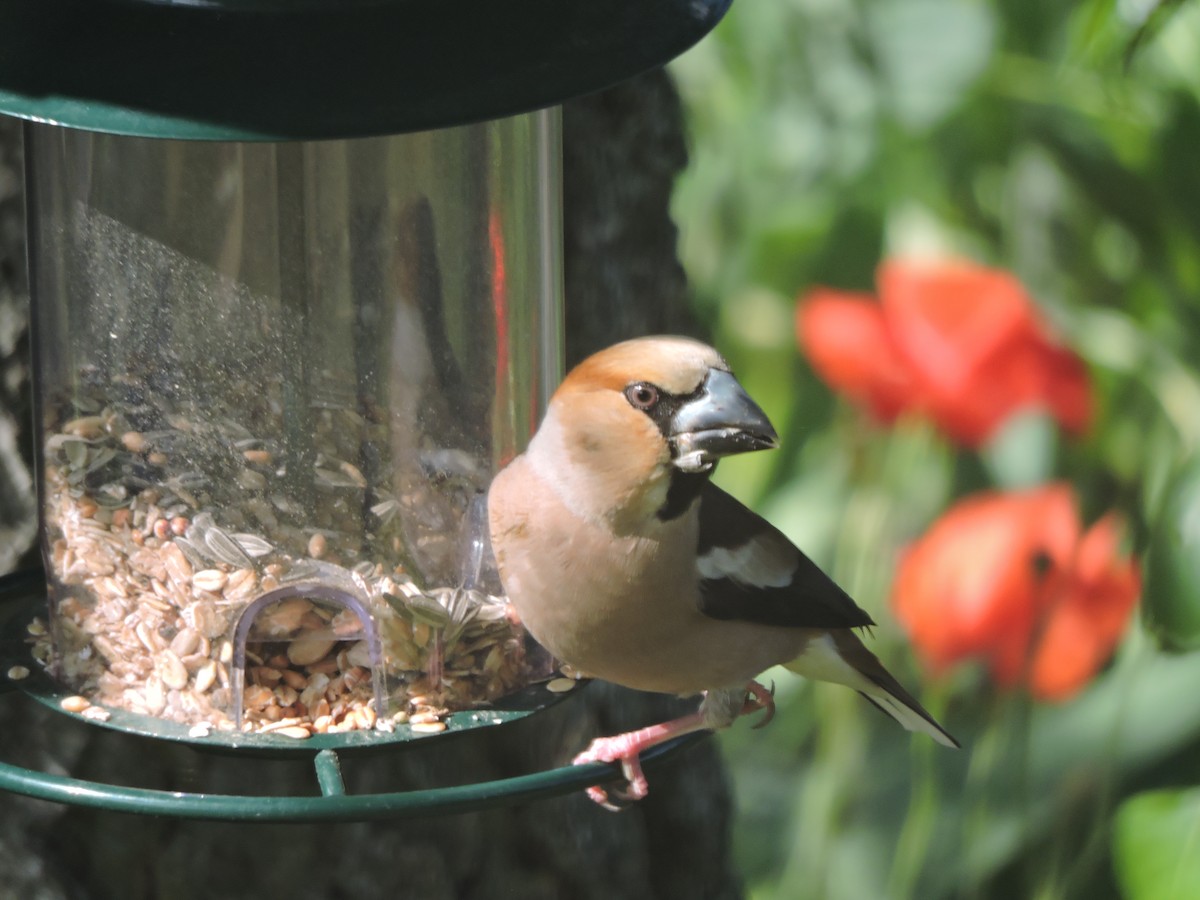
(1157, 845)
(1021, 455)
(927, 73)
(1171, 595)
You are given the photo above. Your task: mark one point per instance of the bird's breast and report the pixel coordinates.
(622, 608)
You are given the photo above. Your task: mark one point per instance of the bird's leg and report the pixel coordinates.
(627, 749)
(759, 697)
(719, 710)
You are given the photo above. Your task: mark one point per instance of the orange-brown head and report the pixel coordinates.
(635, 429)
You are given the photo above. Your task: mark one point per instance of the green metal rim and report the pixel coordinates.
(242, 70)
(330, 807)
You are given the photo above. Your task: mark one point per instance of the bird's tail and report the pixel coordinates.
(839, 656)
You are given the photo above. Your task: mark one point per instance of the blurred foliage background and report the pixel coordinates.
(1057, 141)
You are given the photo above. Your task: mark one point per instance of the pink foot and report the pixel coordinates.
(627, 749)
(620, 749)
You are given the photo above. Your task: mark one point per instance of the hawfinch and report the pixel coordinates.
(624, 561)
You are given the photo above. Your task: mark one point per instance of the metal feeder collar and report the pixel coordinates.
(242, 70)
(312, 69)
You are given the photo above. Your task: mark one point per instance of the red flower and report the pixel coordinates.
(848, 343)
(1090, 616)
(1010, 578)
(959, 343)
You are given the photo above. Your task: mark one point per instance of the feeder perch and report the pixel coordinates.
(296, 295)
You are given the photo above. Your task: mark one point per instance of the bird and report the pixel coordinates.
(622, 559)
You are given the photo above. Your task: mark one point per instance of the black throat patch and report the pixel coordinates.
(685, 487)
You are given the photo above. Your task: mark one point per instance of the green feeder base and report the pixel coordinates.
(23, 595)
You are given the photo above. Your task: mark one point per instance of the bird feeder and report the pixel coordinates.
(296, 289)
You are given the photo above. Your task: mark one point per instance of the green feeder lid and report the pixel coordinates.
(312, 69)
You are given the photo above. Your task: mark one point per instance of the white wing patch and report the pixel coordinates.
(759, 563)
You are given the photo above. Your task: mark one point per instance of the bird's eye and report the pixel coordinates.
(641, 395)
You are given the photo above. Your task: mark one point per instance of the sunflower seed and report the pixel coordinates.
(253, 545)
(226, 549)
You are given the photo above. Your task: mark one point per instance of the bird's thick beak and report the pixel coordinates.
(722, 420)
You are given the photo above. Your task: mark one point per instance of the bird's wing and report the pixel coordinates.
(749, 570)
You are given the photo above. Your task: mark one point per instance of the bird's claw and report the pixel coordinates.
(760, 698)
(615, 801)
(616, 749)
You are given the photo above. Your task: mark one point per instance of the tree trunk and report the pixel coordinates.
(622, 150)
